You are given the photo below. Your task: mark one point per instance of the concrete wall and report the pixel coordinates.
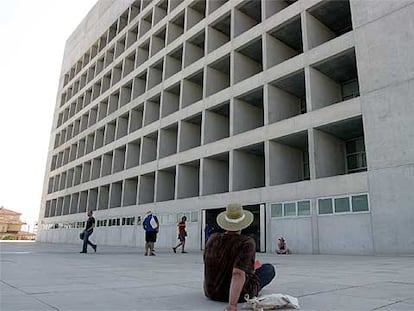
(216, 127)
(296, 232)
(286, 165)
(386, 68)
(282, 105)
(345, 234)
(188, 181)
(329, 155)
(248, 170)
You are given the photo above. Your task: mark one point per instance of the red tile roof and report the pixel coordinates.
(6, 211)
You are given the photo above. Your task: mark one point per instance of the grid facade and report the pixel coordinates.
(184, 106)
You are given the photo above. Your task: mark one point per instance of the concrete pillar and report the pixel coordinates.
(130, 192)
(286, 164)
(146, 188)
(115, 195)
(103, 200)
(329, 155)
(132, 154)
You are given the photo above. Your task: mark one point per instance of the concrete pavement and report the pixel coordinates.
(37, 276)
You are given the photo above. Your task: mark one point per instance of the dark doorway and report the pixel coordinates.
(253, 230)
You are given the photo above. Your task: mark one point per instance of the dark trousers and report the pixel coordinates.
(266, 274)
(86, 241)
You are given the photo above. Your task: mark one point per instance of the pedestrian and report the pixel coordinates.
(151, 227)
(90, 224)
(229, 261)
(208, 231)
(182, 234)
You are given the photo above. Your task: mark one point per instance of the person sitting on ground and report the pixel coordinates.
(229, 261)
(282, 248)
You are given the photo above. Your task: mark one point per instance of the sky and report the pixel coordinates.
(33, 36)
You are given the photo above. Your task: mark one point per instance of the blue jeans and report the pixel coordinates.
(86, 241)
(266, 274)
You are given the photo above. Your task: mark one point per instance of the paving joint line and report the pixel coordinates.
(29, 295)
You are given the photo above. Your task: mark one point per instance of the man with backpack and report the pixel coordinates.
(151, 227)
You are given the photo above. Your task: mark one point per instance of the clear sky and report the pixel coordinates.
(33, 35)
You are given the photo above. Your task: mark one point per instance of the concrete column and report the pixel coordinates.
(188, 181)
(122, 126)
(132, 154)
(244, 67)
(317, 33)
(216, 81)
(119, 159)
(329, 154)
(323, 90)
(149, 149)
(92, 199)
(215, 176)
(282, 105)
(190, 135)
(248, 171)
(286, 164)
(130, 192)
(241, 22)
(245, 116)
(170, 101)
(103, 199)
(151, 111)
(168, 141)
(125, 95)
(115, 195)
(165, 189)
(146, 188)
(107, 164)
(136, 117)
(216, 127)
(74, 203)
(96, 168)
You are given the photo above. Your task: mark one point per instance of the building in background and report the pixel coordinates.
(299, 110)
(10, 226)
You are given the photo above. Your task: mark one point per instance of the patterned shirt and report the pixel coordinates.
(222, 253)
(181, 227)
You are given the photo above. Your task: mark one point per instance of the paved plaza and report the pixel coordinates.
(38, 276)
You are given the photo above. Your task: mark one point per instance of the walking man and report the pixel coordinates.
(151, 227)
(229, 261)
(182, 234)
(90, 224)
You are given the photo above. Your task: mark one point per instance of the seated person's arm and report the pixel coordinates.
(236, 287)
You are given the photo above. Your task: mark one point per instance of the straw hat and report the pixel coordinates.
(234, 218)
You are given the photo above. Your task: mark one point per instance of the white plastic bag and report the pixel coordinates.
(271, 302)
(153, 223)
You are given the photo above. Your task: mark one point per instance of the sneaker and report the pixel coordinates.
(152, 254)
(82, 252)
(95, 247)
(174, 249)
(183, 252)
(145, 254)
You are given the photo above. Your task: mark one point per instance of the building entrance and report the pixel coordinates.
(256, 230)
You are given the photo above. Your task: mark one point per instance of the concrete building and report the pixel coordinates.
(300, 110)
(11, 225)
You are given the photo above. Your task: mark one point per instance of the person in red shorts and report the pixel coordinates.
(182, 234)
